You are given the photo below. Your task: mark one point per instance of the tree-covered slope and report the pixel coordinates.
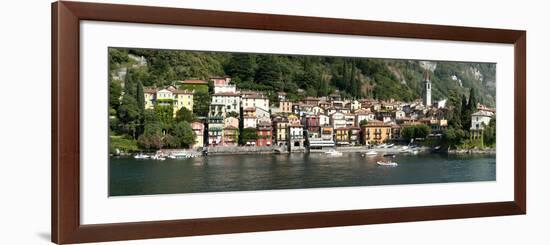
(315, 76)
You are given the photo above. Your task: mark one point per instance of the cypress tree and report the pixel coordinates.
(472, 104)
(140, 97)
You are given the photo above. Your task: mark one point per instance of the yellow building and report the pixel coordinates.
(342, 136)
(168, 96)
(182, 98)
(149, 96)
(376, 132)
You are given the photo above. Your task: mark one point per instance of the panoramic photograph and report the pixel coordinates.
(201, 121)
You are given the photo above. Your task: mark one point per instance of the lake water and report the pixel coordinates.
(129, 176)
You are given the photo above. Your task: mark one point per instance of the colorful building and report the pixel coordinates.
(215, 131)
(231, 100)
(354, 135)
(256, 100)
(198, 129)
(342, 136)
(376, 132)
(264, 132)
(223, 85)
(168, 96)
(280, 130)
(296, 137)
(230, 131)
(249, 117)
(313, 126)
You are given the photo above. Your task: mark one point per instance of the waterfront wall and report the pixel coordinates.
(473, 151)
(243, 149)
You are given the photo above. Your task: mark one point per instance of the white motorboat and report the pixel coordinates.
(158, 157)
(141, 156)
(371, 153)
(333, 152)
(387, 163)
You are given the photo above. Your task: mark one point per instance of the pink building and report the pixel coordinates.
(198, 129)
(264, 133)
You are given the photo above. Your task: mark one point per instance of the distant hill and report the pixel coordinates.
(308, 75)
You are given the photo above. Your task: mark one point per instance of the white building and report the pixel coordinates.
(355, 105)
(350, 119)
(324, 120)
(256, 100)
(223, 85)
(400, 114)
(480, 119)
(338, 120)
(231, 100)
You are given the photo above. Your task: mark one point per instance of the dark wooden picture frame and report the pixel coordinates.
(65, 172)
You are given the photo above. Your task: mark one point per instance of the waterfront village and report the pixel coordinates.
(305, 125)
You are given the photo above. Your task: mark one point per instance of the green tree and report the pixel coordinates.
(465, 114)
(489, 133)
(117, 56)
(472, 103)
(184, 132)
(201, 103)
(171, 141)
(140, 97)
(165, 116)
(248, 134)
(184, 114)
(407, 133)
(241, 67)
(269, 70)
(415, 131)
(151, 138)
(115, 90)
(129, 114)
(421, 131)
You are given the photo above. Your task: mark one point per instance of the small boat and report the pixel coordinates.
(370, 153)
(158, 157)
(333, 152)
(141, 156)
(386, 163)
(389, 155)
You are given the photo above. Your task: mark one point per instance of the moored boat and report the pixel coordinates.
(386, 163)
(333, 152)
(141, 156)
(370, 153)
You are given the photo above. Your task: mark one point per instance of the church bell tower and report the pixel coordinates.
(427, 95)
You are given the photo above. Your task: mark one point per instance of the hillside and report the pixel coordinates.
(309, 75)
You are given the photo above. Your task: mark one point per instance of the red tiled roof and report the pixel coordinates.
(195, 81)
(226, 94)
(150, 90)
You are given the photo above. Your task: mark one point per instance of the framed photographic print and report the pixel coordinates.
(176, 122)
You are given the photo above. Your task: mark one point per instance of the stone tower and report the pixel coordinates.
(427, 93)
